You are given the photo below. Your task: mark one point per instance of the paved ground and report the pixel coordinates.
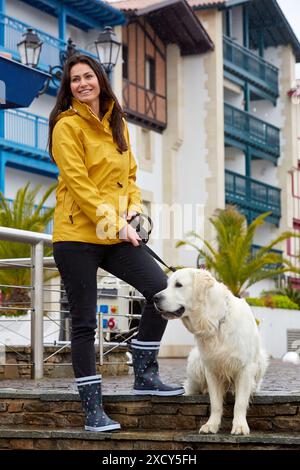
(281, 377)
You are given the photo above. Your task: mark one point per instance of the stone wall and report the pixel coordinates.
(272, 414)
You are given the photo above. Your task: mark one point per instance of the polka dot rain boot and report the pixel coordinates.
(145, 366)
(90, 393)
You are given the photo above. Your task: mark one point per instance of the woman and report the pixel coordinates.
(96, 195)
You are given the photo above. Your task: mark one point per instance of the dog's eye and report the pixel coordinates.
(178, 284)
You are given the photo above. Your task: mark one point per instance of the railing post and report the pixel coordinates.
(36, 132)
(2, 124)
(37, 370)
(2, 27)
(268, 198)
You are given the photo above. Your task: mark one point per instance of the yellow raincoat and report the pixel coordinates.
(96, 185)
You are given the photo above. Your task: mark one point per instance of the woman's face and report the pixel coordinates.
(84, 84)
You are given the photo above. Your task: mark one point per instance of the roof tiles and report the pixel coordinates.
(128, 5)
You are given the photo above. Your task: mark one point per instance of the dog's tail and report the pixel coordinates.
(262, 365)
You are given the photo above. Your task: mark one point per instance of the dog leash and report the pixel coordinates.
(136, 222)
(154, 255)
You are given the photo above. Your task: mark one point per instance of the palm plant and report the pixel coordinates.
(25, 214)
(232, 260)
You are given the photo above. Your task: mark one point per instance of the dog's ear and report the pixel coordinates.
(203, 280)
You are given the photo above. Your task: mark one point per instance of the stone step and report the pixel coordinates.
(53, 409)
(75, 439)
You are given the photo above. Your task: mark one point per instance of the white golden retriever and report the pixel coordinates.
(228, 355)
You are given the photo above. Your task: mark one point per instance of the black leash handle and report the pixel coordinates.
(137, 223)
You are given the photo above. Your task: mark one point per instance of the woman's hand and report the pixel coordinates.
(128, 234)
(130, 215)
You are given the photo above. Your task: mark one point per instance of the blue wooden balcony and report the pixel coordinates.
(49, 228)
(252, 197)
(24, 133)
(256, 248)
(12, 31)
(23, 142)
(242, 128)
(243, 63)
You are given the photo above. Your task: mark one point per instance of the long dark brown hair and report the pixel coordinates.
(64, 99)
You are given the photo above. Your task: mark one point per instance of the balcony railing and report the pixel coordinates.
(256, 248)
(252, 196)
(49, 228)
(52, 46)
(246, 128)
(244, 63)
(25, 132)
(145, 106)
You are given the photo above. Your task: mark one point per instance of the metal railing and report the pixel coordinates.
(251, 130)
(108, 339)
(240, 60)
(37, 242)
(29, 131)
(255, 249)
(52, 46)
(252, 195)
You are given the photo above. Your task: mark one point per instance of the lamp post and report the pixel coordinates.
(70, 50)
(30, 48)
(108, 48)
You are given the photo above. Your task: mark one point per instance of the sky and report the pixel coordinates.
(291, 9)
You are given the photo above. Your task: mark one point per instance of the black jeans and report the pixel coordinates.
(77, 263)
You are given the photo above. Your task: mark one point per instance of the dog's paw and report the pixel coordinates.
(209, 428)
(240, 428)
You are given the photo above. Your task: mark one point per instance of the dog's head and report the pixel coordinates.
(186, 289)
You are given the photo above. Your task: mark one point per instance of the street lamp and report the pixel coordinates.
(30, 48)
(108, 48)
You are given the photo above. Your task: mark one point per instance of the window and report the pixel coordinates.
(144, 76)
(150, 74)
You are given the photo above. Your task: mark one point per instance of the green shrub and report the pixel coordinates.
(255, 302)
(273, 301)
(282, 301)
(289, 291)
